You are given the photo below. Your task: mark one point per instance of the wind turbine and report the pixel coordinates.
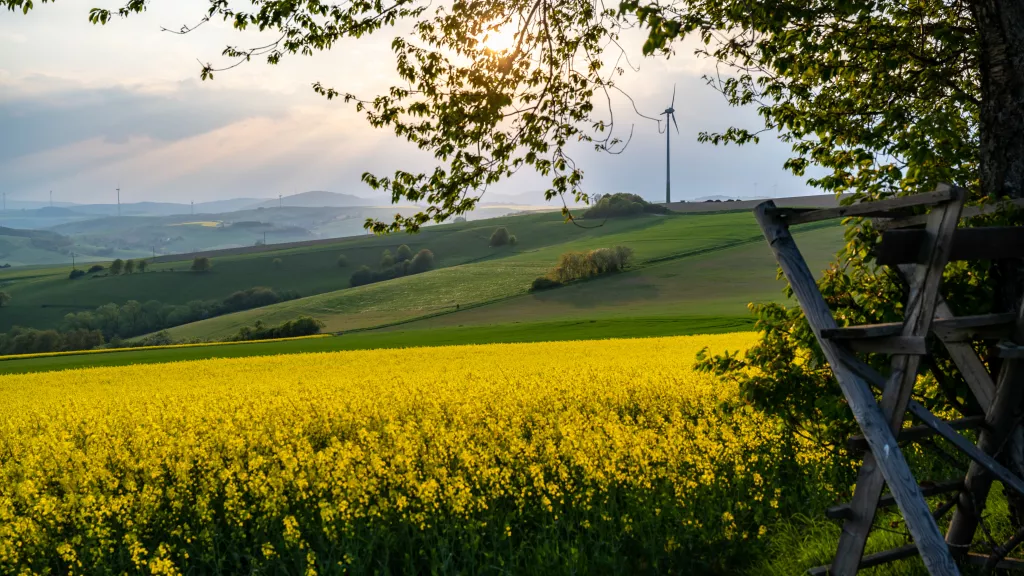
(669, 112)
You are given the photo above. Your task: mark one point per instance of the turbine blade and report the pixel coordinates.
(673, 96)
(676, 123)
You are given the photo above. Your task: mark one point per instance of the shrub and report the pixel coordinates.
(581, 265)
(617, 205)
(386, 259)
(116, 267)
(276, 262)
(362, 275)
(5, 299)
(76, 273)
(301, 326)
(422, 262)
(512, 240)
(403, 253)
(129, 266)
(499, 237)
(142, 265)
(201, 264)
(342, 261)
(544, 283)
(459, 219)
(96, 268)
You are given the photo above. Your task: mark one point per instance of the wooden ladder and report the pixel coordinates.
(918, 247)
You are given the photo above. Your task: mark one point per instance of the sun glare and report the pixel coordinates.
(499, 40)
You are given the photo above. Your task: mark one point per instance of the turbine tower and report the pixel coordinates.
(669, 113)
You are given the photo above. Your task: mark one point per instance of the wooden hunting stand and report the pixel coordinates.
(918, 247)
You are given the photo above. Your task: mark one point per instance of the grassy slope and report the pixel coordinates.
(525, 332)
(42, 296)
(691, 265)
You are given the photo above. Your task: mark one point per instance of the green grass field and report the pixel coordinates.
(42, 296)
(685, 266)
(625, 327)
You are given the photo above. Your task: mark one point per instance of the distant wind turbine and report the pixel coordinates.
(669, 112)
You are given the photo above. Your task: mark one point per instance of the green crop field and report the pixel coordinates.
(41, 296)
(685, 265)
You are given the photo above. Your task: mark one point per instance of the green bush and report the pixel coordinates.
(96, 268)
(116, 267)
(622, 204)
(386, 259)
(342, 261)
(512, 240)
(422, 262)
(129, 266)
(277, 262)
(581, 265)
(76, 273)
(201, 264)
(499, 237)
(301, 326)
(142, 265)
(544, 283)
(362, 275)
(403, 253)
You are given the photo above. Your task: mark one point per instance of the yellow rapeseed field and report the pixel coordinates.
(587, 457)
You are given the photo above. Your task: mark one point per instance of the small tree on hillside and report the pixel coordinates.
(342, 261)
(201, 264)
(499, 237)
(386, 259)
(129, 266)
(5, 299)
(403, 253)
(421, 262)
(277, 262)
(116, 267)
(363, 275)
(142, 265)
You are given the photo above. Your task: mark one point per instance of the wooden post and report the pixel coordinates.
(873, 422)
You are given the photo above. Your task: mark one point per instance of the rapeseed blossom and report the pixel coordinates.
(597, 456)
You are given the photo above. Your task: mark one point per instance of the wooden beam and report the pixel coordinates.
(872, 420)
(1004, 564)
(791, 217)
(890, 345)
(1000, 420)
(967, 212)
(922, 300)
(1009, 479)
(948, 329)
(842, 511)
(877, 559)
(858, 444)
(989, 243)
(1010, 350)
(964, 356)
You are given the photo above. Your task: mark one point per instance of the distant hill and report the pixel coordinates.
(18, 247)
(319, 199)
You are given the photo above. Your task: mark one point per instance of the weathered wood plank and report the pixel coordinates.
(991, 243)
(858, 444)
(877, 559)
(966, 359)
(948, 329)
(920, 312)
(866, 411)
(842, 511)
(1010, 350)
(880, 208)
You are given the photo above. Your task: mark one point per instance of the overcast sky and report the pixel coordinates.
(85, 108)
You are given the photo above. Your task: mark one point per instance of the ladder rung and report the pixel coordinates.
(842, 511)
(878, 558)
(891, 345)
(859, 444)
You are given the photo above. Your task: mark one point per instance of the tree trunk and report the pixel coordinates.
(1000, 25)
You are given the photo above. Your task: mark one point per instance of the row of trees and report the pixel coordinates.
(301, 326)
(573, 266)
(134, 318)
(623, 204)
(404, 263)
